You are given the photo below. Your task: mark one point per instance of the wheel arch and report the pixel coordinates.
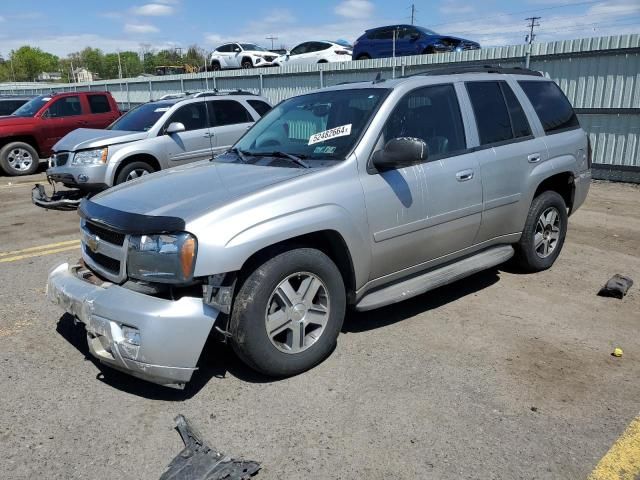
(329, 241)
(563, 183)
(137, 157)
(28, 139)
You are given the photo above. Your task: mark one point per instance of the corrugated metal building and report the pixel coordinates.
(601, 77)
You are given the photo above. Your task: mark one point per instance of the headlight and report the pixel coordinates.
(91, 157)
(164, 258)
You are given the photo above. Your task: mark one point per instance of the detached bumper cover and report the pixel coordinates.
(171, 334)
(62, 200)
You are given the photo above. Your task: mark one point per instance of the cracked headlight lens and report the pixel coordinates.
(91, 157)
(164, 258)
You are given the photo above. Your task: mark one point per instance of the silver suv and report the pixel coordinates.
(358, 195)
(151, 137)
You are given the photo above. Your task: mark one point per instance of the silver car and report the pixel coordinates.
(357, 195)
(151, 137)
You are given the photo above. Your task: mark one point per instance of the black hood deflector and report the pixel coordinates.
(127, 222)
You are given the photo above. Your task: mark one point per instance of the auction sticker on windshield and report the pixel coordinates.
(341, 131)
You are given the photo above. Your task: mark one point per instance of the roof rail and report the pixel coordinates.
(216, 92)
(479, 69)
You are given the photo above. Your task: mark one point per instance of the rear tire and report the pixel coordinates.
(544, 233)
(288, 312)
(19, 158)
(132, 171)
(215, 66)
(363, 56)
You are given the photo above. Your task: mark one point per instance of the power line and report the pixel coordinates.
(520, 12)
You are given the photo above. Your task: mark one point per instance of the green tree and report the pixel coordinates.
(28, 62)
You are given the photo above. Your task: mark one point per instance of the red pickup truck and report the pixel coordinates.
(28, 134)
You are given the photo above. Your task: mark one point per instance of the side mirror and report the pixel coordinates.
(237, 50)
(401, 152)
(175, 127)
(287, 53)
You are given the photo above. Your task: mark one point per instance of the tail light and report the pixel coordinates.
(589, 153)
(341, 52)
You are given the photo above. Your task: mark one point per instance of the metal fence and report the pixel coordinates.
(600, 76)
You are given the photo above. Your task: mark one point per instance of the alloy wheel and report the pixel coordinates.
(20, 159)
(547, 232)
(297, 312)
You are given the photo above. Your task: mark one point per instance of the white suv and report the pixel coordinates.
(315, 52)
(240, 55)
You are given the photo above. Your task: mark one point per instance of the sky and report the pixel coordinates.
(66, 26)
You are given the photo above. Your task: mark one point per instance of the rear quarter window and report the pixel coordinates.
(552, 106)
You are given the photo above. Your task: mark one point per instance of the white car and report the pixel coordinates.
(315, 52)
(240, 55)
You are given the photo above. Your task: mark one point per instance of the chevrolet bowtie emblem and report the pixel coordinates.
(92, 243)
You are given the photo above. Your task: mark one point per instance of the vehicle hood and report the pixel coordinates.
(11, 121)
(84, 138)
(190, 191)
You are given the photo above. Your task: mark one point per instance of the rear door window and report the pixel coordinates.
(99, 104)
(259, 106)
(227, 112)
(551, 105)
(499, 116)
(490, 109)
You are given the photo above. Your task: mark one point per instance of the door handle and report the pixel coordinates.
(208, 135)
(464, 175)
(534, 158)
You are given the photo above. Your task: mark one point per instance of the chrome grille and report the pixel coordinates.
(104, 251)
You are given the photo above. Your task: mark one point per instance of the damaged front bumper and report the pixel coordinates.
(59, 200)
(148, 337)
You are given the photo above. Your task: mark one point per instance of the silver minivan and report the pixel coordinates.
(148, 138)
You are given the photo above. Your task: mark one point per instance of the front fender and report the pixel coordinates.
(239, 247)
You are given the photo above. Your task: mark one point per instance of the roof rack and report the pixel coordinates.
(216, 92)
(479, 69)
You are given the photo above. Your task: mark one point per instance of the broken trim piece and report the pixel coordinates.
(64, 200)
(198, 461)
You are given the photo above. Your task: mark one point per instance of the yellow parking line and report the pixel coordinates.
(622, 461)
(38, 254)
(41, 247)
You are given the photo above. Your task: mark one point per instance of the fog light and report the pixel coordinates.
(130, 345)
(131, 335)
(82, 178)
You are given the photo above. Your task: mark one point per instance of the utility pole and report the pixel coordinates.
(413, 13)
(119, 65)
(529, 38)
(272, 38)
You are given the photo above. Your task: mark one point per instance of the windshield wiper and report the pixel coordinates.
(297, 159)
(239, 153)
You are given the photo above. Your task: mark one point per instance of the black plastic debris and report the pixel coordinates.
(198, 461)
(616, 287)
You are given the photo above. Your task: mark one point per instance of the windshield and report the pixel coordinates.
(32, 107)
(141, 118)
(427, 31)
(322, 126)
(252, 46)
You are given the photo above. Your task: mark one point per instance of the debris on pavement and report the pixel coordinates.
(616, 287)
(617, 352)
(198, 461)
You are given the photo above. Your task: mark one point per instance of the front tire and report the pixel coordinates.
(544, 233)
(19, 158)
(246, 64)
(288, 312)
(363, 56)
(132, 171)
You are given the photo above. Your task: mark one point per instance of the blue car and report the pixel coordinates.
(410, 40)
